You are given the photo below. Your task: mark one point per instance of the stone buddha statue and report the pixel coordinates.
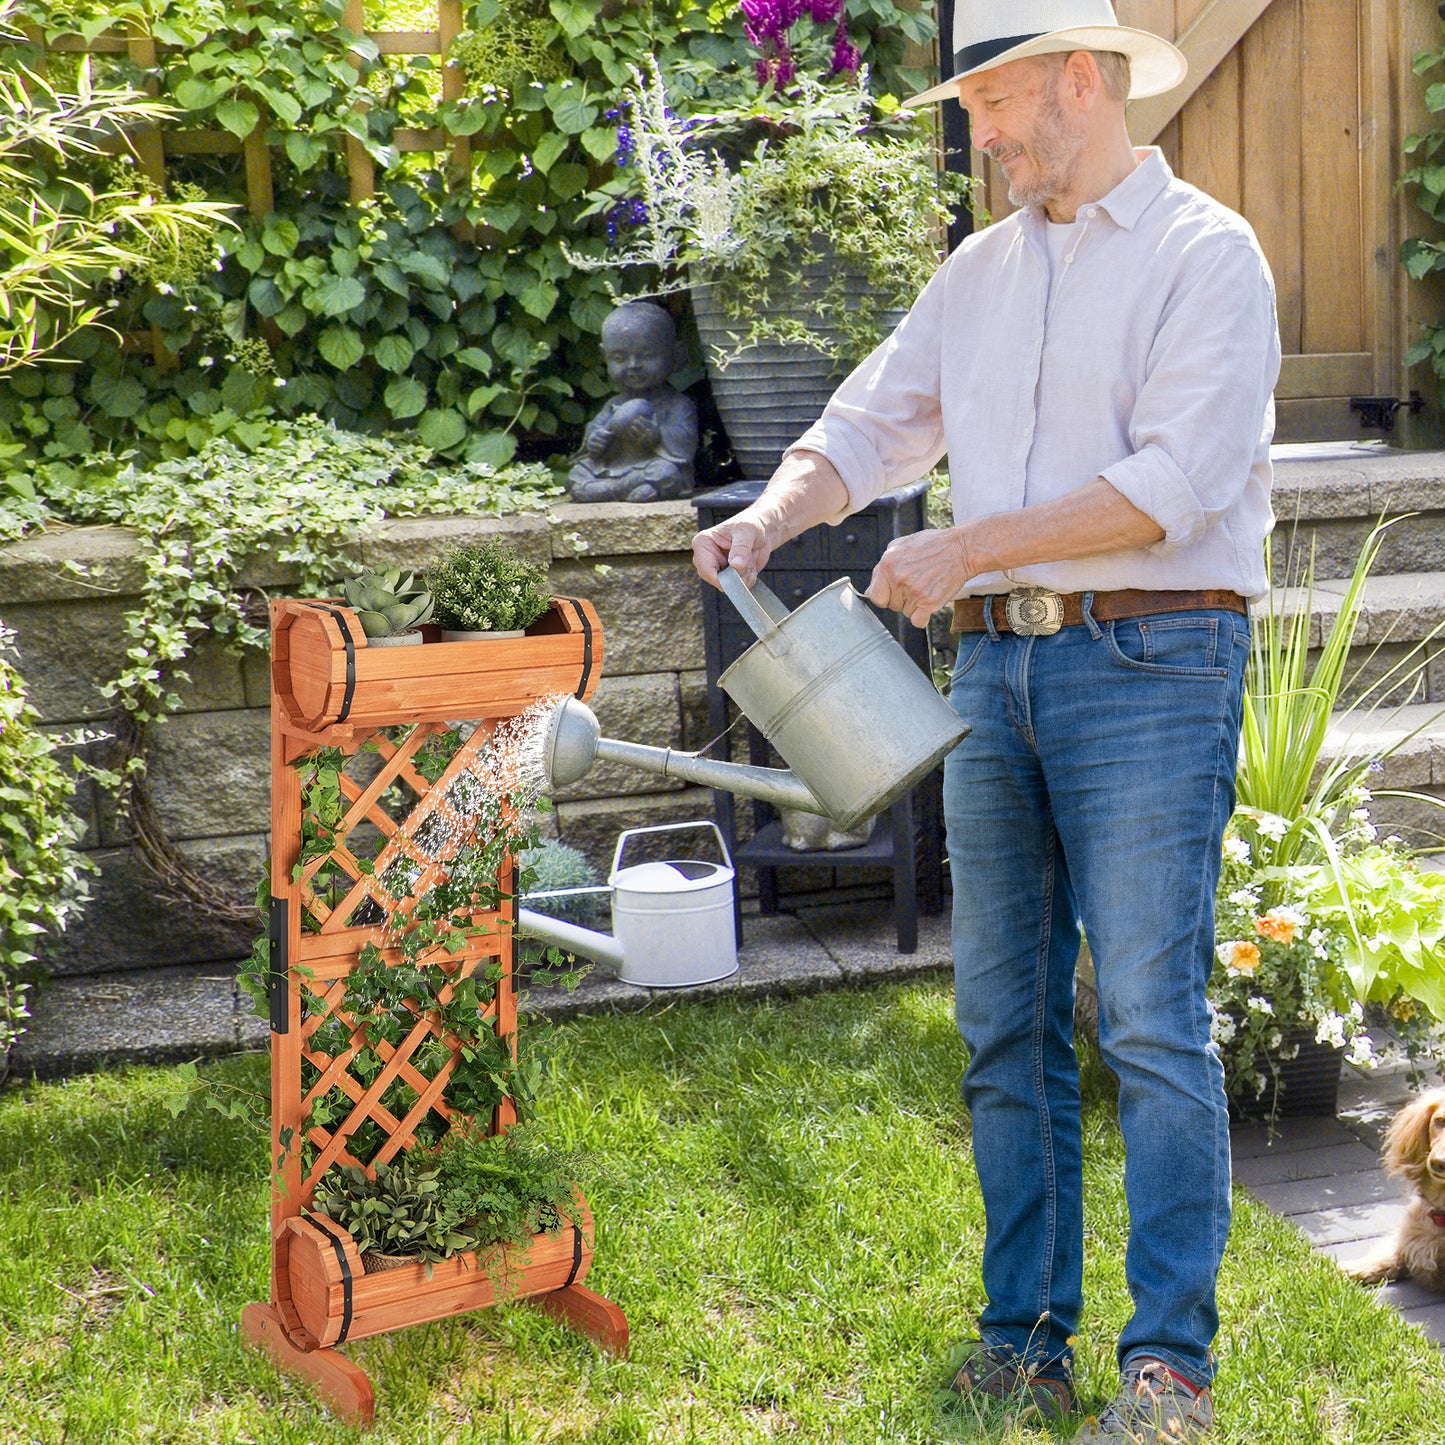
(640, 446)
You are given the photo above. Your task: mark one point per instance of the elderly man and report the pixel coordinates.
(1098, 369)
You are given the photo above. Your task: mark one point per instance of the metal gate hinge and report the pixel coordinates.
(1377, 413)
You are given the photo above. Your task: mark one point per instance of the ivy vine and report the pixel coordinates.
(1422, 257)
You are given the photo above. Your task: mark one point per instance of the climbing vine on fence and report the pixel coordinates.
(1426, 176)
(441, 303)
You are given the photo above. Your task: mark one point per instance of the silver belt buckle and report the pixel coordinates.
(1034, 611)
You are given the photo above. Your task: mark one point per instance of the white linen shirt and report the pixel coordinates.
(1152, 365)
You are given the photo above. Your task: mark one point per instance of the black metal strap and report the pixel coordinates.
(340, 617)
(586, 642)
(345, 1276)
(576, 1254)
(278, 936)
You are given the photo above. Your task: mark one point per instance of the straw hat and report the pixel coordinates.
(990, 33)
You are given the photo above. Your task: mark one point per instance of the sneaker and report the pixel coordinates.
(1154, 1406)
(997, 1373)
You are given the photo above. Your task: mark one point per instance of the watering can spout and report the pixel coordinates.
(588, 942)
(574, 743)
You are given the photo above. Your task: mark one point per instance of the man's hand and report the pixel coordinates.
(920, 573)
(738, 543)
(805, 490)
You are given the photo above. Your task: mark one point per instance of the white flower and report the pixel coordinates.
(1271, 825)
(1245, 898)
(1260, 1005)
(1222, 1028)
(1236, 849)
(1362, 1052)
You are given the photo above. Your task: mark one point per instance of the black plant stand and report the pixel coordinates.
(909, 839)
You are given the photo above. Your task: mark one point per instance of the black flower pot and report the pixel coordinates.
(1304, 1087)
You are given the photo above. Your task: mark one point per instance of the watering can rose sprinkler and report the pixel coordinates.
(856, 720)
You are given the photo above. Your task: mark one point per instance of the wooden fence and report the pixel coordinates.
(155, 143)
(1294, 115)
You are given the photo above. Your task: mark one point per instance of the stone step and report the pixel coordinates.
(1330, 494)
(1416, 763)
(1399, 613)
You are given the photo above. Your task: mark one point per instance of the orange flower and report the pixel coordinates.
(1241, 957)
(1282, 930)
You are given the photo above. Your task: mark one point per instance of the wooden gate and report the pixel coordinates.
(1293, 114)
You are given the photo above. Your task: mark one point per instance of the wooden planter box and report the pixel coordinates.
(334, 1300)
(324, 672)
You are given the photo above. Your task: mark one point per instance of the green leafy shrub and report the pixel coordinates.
(43, 879)
(556, 868)
(487, 588)
(387, 311)
(506, 1188)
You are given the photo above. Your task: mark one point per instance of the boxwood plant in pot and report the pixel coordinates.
(486, 591)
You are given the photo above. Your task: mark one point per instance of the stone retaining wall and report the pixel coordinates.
(210, 762)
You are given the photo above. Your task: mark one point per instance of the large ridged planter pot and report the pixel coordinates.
(1306, 1086)
(769, 394)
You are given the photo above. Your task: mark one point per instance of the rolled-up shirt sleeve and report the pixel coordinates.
(1206, 400)
(884, 425)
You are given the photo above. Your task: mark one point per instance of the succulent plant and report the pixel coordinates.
(388, 602)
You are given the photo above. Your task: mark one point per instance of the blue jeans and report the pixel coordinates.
(1093, 791)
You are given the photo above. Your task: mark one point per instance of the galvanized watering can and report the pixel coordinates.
(847, 709)
(673, 919)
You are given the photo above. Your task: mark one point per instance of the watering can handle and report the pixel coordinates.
(668, 828)
(759, 605)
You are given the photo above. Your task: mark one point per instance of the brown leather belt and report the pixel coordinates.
(968, 612)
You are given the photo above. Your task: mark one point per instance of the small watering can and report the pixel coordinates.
(848, 710)
(673, 920)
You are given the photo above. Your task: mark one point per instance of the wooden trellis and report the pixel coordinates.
(360, 890)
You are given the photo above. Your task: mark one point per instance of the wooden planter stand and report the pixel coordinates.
(329, 689)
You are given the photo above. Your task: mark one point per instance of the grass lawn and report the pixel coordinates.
(786, 1210)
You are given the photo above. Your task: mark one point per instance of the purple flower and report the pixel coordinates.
(845, 53)
(825, 12)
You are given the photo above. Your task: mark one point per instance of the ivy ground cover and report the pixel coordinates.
(786, 1210)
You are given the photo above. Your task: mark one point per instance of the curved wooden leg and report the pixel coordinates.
(589, 1313)
(343, 1385)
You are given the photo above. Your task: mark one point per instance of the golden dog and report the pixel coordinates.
(1414, 1152)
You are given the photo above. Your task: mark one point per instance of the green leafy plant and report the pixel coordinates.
(452, 309)
(396, 1209)
(1320, 925)
(740, 200)
(1328, 950)
(388, 602)
(43, 878)
(1422, 257)
(487, 588)
(58, 241)
(506, 1188)
(1291, 701)
(576, 896)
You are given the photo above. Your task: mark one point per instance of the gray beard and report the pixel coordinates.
(1056, 149)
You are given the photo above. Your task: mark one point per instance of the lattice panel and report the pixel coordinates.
(398, 838)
